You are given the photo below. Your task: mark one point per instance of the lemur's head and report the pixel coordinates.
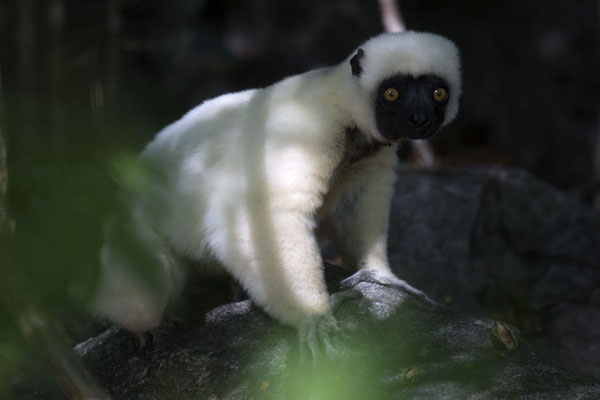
(409, 85)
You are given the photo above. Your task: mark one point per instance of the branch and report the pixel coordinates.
(4, 220)
(391, 16)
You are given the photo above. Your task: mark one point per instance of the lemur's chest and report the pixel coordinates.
(357, 150)
(357, 147)
(355, 162)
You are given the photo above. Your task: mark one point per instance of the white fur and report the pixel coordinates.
(414, 53)
(247, 178)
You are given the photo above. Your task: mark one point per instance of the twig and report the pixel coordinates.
(4, 220)
(391, 16)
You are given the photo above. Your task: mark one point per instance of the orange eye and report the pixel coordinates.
(391, 94)
(440, 95)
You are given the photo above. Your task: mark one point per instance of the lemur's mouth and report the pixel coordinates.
(412, 133)
(420, 133)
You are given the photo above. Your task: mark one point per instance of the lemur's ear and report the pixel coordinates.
(355, 62)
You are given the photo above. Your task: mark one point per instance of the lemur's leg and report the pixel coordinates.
(139, 276)
(360, 223)
(276, 259)
(360, 217)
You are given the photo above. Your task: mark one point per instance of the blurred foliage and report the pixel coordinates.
(351, 377)
(68, 121)
(352, 371)
(14, 354)
(63, 185)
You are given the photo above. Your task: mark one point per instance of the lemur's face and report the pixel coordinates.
(411, 107)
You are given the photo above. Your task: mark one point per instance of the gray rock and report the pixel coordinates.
(502, 242)
(396, 347)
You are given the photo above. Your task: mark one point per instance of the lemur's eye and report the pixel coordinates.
(390, 94)
(440, 95)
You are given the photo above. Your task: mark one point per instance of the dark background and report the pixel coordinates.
(83, 82)
(531, 68)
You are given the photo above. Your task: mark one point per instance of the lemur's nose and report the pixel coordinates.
(418, 118)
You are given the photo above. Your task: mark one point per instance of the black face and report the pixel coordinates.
(411, 107)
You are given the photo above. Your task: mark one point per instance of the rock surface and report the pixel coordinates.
(501, 242)
(396, 347)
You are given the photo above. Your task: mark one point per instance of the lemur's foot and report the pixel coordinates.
(365, 275)
(319, 338)
(160, 334)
